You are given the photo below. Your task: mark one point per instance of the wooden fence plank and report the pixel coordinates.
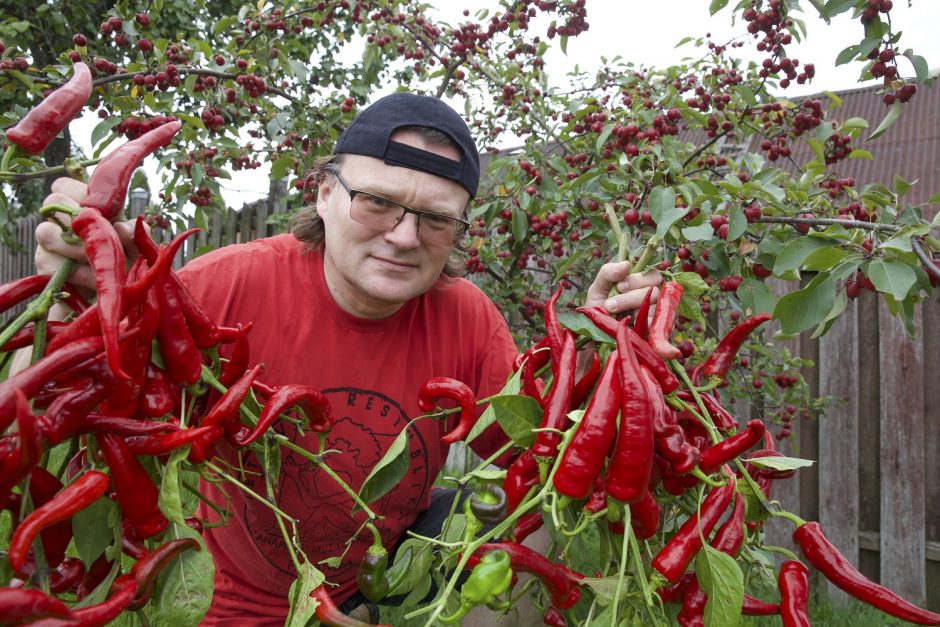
(931, 476)
(902, 459)
(869, 427)
(838, 437)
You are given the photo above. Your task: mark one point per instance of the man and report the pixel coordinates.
(362, 302)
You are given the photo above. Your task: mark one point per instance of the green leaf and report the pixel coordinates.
(737, 223)
(824, 259)
(302, 605)
(489, 416)
(756, 296)
(795, 253)
(805, 308)
(847, 55)
(722, 580)
(184, 589)
(520, 224)
(692, 284)
(780, 463)
(921, 69)
(901, 186)
(892, 116)
(664, 210)
(580, 324)
(103, 128)
(698, 233)
(716, 5)
(861, 154)
(223, 23)
(518, 415)
(853, 123)
(388, 471)
(92, 535)
(202, 219)
(281, 166)
(171, 499)
(838, 306)
(892, 277)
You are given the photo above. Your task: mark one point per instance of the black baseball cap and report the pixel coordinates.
(370, 135)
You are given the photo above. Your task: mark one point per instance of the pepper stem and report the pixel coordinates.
(7, 157)
(38, 308)
(627, 541)
(783, 551)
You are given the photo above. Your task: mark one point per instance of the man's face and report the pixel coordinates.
(370, 273)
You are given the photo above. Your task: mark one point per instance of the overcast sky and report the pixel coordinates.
(646, 32)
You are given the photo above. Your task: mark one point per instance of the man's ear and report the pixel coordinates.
(323, 195)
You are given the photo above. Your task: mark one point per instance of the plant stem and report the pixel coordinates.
(247, 490)
(39, 308)
(20, 177)
(627, 537)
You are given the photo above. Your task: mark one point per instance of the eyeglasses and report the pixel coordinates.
(383, 214)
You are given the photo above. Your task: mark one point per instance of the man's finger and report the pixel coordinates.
(630, 300)
(76, 190)
(49, 238)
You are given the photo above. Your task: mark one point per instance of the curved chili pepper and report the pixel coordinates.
(535, 361)
(237, 362)
(527, 525)
(630, 466)
(582, 461)
(123, 591)
(145, 570)
(755, 607)
(27, 335)
(18, 460)
(50, 117)
(134, 490)
(716, 456)
(23, 604)
(67, 575)
(163, 444)
(793, 582)
(826, 558)
(554, 332)
(183, 360)
(680, 550)
(522, 474)
(72, 499)
(488, 504)
(327, 612)
(203, 329)
(644, 516)
(669, 438)
(43, 486)
(157, 397)
(97, 423)
(15, 292)
(663, 318)
(225, 409)
(554, 618)
(529, 352)
(769, 450)
(642, 317)
(124, 399)
(66, 414)
(673, 592)
(437, 388)
(583, 386)
(314, 404)
(720, 417)
(106, 256)
(558, 403)
(95, 574)
(598, 499)
(563, 592)
(722, 358)
(668, 382)
(107, 186)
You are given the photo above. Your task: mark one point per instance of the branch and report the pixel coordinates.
(929, 265)
(854, 224)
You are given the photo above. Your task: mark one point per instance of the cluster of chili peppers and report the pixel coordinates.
(651, 456)
(127, 382)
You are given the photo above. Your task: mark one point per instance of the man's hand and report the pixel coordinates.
(632, 288)
(52, 250)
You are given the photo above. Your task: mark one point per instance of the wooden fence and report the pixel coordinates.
(876, 486)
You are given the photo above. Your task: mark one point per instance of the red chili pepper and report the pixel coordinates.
(123, 590)
(583, 459)
(225, 410)
(27, 335)
(67, 575)
(558, 403)
(204, 331)
(72, 499)
(106, 256)
(18, 605)
(554, 332)
(601, 319)
(15, 292)
(769, 450)
(680, 550)
(50, 117)
(672, 593)
(527, 525)
(535, 361)
(669, 438)
(630, 466)
(163, 444)
(826, 558)
(722, 358)
(663, 318)
(437, 388)
(554, 618)
(107, 186)
(793, 582)
(644, 516)
(714, 457)
(96, 423)
(96, 573)
(183, 360)
(17, 460)
(720, 417)
(583, 386)
(65, 416)
(43, 486)
(522, 474)
(158, 397)
(311, 400)
(134, 490)
(146, 569)
(135, 358)
(237, 362)
(642, 317)
(563, 592)
(327, 612)
(756, 607)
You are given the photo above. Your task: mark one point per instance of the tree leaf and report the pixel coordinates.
(892, 277)
(756, 296)
(692, 283)
(722, 580)
(890, 118)
(103, 128)
(921, 69)
(281, 166)
(664, 210)
(825, 258)
(580, 324)
(388, 471)
(184, 589)
(520, 224)
(846, 55)
(518, 415)
(171, 499)
(795, 253)
(91, 533)
(698, 233)
(716, 5)
(901, 186)
(781, 463)
(805, 308)
(302, 605)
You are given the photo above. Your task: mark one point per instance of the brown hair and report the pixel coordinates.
(307, 225)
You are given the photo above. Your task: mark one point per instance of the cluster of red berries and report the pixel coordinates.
(837, 185)
(202, 197)
(854, 285)
(473, 263)
(855, 210)
(786, 420)
(729, 283)
(575, 22)
(161, 79)
(133, 127)
(837, 148)
(212, 118)
(771, 22)
(874, 8)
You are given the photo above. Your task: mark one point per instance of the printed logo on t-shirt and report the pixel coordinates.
(366, 424)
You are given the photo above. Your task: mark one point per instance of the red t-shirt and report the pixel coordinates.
(370, 370)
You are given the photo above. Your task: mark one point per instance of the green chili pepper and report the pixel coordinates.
(489, 579)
